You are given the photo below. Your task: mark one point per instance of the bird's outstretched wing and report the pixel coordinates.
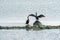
(40, 16)
(32, 15)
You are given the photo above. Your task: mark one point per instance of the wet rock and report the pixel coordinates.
(37, 24)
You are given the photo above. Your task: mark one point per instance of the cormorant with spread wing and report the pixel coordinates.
(37, 17)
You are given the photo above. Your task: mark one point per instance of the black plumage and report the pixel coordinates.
(37, 16)
(41, 16)
(27, 21)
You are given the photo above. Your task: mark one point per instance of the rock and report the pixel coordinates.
(37, 24)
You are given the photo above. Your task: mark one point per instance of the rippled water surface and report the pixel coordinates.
(53, 34)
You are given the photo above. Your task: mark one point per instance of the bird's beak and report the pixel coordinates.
(28, 17)
(44, 16)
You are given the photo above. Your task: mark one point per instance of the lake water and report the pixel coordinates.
(53, 34)
(23, 24)
(12, 24)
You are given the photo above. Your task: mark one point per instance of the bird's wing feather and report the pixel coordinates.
(41, 16)
(32, 15)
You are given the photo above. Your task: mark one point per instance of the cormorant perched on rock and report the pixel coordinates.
(36, 23)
